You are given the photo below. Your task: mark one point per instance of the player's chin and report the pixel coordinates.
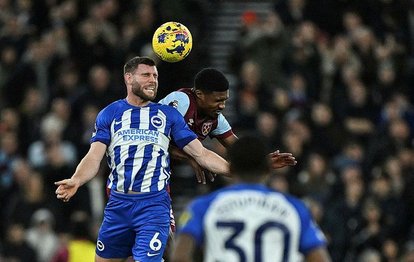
(149, 96)
(215, 114)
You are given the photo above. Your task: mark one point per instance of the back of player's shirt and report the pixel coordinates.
(252, 223)
(138, 140)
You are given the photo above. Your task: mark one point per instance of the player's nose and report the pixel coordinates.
(221, 106)
(154, 78)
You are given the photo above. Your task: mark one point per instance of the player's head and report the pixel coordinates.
(248, 159)
(141, 78)
(211, 88)
(132, 64)
(211, 80)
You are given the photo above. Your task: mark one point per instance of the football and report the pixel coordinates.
(172, 42)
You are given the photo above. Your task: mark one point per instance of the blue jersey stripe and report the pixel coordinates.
(117, 160)
(139, 179)
(135, 118)
(137, 140)
(129, 164)
(155, 178)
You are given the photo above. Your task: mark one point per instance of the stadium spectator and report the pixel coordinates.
(80, 246)
(42, 227)
(16, 247)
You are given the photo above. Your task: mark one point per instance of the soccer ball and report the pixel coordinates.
(172, 42)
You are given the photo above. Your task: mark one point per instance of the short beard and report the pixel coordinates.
(138, 91)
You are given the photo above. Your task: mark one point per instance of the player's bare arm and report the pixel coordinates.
(207, 158)
(318, 255)
(200, 172)
(85, 171)
(277, 159)
(228, 141)
(184, 249)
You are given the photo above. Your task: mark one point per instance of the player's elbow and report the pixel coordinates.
(179, 259)
(318, 255)
(183, 249)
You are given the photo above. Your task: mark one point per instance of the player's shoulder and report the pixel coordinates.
(297, 203)
(163, 107)
(176, 98)
(113, 107)
(288, 199)
(169, 111)
(115, 104)
(179, 100)
(236, 190)
(202, 202)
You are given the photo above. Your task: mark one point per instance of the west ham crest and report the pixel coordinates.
(205, 129)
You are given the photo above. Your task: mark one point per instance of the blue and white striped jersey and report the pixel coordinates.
(248, 222)
(138, 139)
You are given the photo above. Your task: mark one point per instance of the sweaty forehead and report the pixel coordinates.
(223, 95)
(142, 68)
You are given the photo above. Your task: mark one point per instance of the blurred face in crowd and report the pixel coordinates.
(8, 55)
(321, 114)
(99, 78)
(266, 124)
(8, 143)
(250, 75)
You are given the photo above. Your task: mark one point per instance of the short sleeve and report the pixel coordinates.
(191, 221)
(102, 131)
(222, 128)
(179, 100)
(311, 236)
(180, 132)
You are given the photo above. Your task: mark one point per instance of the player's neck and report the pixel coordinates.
(201, 114)
(252, 178)
(136, 101)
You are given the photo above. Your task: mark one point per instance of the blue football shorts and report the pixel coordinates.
(135, 224)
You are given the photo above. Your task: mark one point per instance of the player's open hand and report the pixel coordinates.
(279, 160)
(207, 174)
(201, 174)
(66, 189)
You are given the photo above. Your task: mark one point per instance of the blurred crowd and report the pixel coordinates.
(329, 81)
(333, 84)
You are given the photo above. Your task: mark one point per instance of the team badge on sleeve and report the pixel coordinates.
(174, 104)
(184, 218)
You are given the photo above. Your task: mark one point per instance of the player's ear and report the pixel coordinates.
(127, 77)
(198, 93)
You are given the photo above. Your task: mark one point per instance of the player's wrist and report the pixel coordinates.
(76, 181)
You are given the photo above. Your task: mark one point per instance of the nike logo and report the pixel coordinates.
(118, 122)
(152, 254)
